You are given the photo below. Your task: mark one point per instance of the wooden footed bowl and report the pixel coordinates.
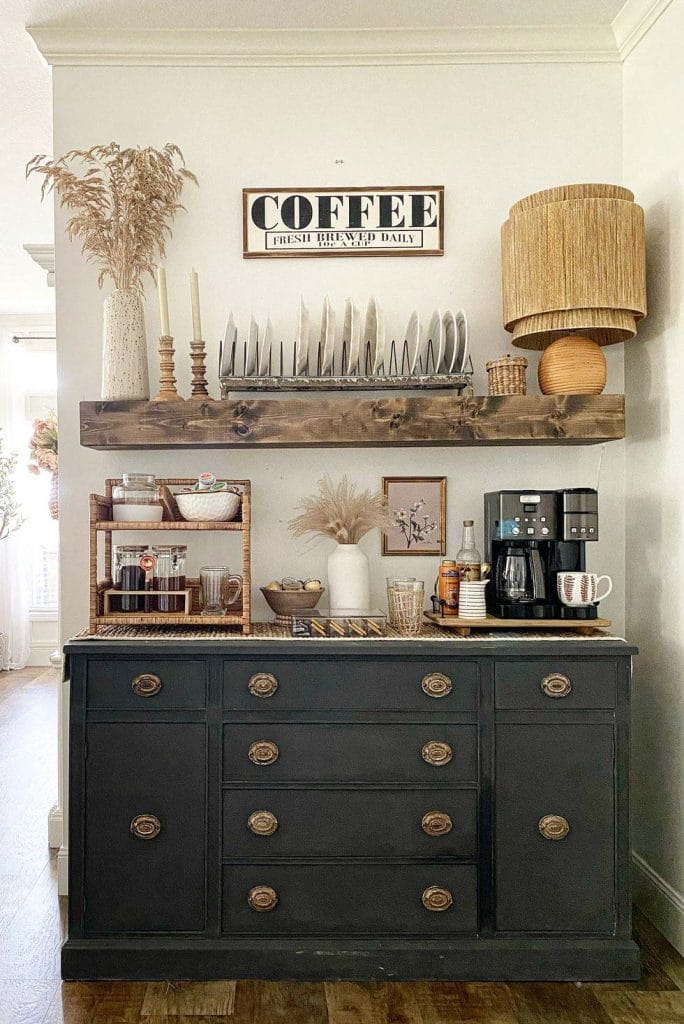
(289, 602)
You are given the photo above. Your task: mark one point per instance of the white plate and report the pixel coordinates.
(265, 348)
(462, 342)
(351, 337)
(436, 335)
(250, 352)
(373, 340)
(227, 347)
(327, 336)
(449, 333)
(302, 342)
(412, 344)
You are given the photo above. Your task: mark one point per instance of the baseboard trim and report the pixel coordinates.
(41, 653)
(55, 827)
(659, 901)
(63, 871)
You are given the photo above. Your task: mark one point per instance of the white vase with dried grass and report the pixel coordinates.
(124, 202)
(342, 513)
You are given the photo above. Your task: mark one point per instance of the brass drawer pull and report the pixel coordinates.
(436, 823)
(436, 898)
(436, 684)
(262, 898)
(437, 753)
(146, 826)
(263, 752)
(556, 685)
(146, 684)
(262, 684)
(262, 823)
(554, 826)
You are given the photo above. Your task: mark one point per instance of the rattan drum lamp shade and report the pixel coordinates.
(574, 271)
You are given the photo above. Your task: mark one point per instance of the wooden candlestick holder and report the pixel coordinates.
(167, 381)
(199, 369)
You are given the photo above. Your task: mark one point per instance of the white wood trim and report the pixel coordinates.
(660, 902)
(44, 256)
(63, 871)
(41, 652)
(55, 827)
(327, 47)
(634, 19)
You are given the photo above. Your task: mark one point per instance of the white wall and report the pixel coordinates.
(491, 134)
(654, 368)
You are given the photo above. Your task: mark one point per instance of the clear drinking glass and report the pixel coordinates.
(406, 599)
(215, 581)
(394, 584)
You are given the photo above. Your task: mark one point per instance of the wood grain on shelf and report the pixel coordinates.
(339, 422)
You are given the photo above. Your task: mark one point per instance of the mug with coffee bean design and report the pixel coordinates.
(580, 589)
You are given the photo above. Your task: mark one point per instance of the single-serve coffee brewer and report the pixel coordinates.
(531, 536)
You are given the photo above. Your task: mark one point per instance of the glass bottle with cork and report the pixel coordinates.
(468, 558)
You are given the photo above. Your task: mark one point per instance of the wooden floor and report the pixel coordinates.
(31, 930)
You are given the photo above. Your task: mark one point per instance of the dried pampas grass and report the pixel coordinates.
(125, 201)
(341, 512)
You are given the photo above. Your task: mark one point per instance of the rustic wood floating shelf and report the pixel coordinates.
(353, 422)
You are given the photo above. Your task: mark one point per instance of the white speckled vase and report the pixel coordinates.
(124, 348)
(348, 579)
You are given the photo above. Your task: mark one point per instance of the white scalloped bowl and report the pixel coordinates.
(209, 506)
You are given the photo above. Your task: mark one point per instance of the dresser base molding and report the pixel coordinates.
(505, 959)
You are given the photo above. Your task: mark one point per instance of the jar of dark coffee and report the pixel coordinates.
(169, 575)
(128, 574)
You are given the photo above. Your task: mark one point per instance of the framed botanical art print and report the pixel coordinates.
(417, 507)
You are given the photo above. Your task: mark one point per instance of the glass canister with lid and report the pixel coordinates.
(128, 574)
(169, 574)
(137, 499)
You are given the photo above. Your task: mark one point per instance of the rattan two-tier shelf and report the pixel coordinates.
(101, 522)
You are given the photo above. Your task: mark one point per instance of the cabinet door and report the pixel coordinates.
(135, 880)
(547, 881)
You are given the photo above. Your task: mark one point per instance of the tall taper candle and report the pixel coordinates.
(163, 302)
(194, 295)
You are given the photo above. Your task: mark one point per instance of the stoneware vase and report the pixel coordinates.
(348, 579)
(124, 348)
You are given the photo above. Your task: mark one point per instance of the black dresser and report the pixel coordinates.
(339, 809)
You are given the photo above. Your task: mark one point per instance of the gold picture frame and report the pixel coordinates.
(420, 515)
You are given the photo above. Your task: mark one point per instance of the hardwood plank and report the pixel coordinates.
(465, 1002)
(660, 958)
(25, 1002)
(290, 1002)
(659, 1007)
(209, 998)
(618, 1005)
(350, 1002)
(402, 1003)
(339, 422)
(557, 1003)
(75, 1002)
(30, 945)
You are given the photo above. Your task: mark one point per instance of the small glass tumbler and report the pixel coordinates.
(215, 583)
(408, 601)
(395, 584)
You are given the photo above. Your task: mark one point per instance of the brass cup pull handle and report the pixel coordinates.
(263, 752)
(436, 684)
(436, 823)
(146, 684)
(554, 826)
(262, 823)
(436, 898)
(262, 684)
(437, 753)
(146, 826)
(556, 685)
(262, 898)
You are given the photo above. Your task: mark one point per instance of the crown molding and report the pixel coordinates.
(44, 256)
(326, 47)
(633, 21)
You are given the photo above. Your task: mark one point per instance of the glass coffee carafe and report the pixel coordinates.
(519, 574)
(128, 574)
(169, 574)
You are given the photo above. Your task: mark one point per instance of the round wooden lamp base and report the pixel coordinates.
(572, 365)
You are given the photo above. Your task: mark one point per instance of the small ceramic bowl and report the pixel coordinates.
(208, 506)
(288, 602)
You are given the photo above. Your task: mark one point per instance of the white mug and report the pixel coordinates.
(580, 589)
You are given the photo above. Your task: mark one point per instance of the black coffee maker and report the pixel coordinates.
(531, 536)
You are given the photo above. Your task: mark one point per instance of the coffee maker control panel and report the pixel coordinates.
(578, 514)
(521, 514)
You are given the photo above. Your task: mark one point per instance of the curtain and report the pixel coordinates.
(15, 624)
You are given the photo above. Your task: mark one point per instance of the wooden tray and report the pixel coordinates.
(585, 627)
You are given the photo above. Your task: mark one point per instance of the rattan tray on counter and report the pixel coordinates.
(101, 522)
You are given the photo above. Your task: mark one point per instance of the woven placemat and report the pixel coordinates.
(269, 631)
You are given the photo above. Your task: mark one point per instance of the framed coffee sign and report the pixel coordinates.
(387, 221)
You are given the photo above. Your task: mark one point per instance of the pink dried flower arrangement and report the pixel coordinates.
(43, 445)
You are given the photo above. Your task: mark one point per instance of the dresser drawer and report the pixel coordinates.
(350, 683)
(556, 683)
(136, 683)
(370, 752)
(346, 899)
(341, 822)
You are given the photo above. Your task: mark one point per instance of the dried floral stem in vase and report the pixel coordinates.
(341, 512)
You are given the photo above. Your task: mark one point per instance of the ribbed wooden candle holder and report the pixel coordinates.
(167, 381)
(199, 369)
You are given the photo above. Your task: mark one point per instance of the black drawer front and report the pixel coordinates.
(348, 899)
(554, 885)
(134, 684)
(524, 684)
(138, 884)
(352, 683)
(313, 752)
(343, 822)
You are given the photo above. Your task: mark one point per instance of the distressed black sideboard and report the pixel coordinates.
(374, 809)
